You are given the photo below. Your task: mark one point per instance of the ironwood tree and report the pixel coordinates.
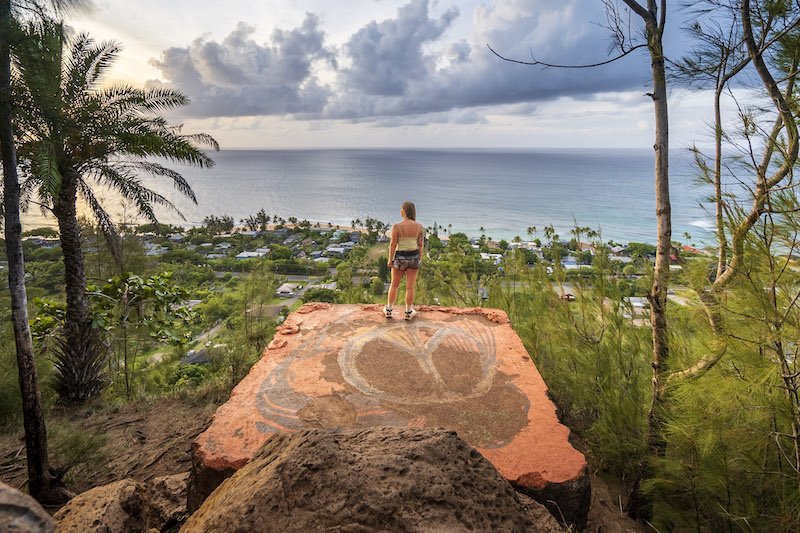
(653, 14)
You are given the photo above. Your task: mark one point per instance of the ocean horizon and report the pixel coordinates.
(503, 191)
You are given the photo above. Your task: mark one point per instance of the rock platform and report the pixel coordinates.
(347, 366)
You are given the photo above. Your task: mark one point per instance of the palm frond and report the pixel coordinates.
(27, 188)
(155, 169)
(45, 168)
(163, 99)
(129, 101)
(152, 137)
(202, 139)
(124, 182)
(85, 66)
(104, 221)
(37, 67)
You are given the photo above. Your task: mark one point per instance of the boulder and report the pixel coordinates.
(378, 479)
(114, 508)
(165, 501)
(347, 366)
(127, 506)
(19, 513)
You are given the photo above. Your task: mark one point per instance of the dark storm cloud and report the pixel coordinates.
(387, 56)
(239, 76)
(470, 75)
(406, 65)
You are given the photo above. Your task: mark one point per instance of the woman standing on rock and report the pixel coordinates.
(405, 254)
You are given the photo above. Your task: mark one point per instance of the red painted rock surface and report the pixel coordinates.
(346, 366)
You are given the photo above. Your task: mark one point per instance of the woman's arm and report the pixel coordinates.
(421, 241)
(392, 245)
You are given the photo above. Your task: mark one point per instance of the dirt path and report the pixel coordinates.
(140, 441)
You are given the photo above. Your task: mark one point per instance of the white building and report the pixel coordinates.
(250, 255)
(287, 290)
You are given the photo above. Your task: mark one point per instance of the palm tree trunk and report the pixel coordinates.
(39, 478)
(77, 324)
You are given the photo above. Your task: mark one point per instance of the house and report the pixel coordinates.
(199, 357)
(321, 259)
(263, 250)
(250, 255)
(355, 236)
(624, 259)
(692, 250)
(176, 237)
(223, 246)
(287, 290)
(316, 253)
(215, 256)
(151, 249)
(291, 239)
(639, 305)
(494, 258)
(569, 263)
(336, 251)
(207, 245)
(43, 242)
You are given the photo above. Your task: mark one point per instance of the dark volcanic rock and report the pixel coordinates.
(19, 513)
(378, 479)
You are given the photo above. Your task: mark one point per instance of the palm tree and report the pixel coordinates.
(74, 136)
(42, 485)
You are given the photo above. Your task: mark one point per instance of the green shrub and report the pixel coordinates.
(188, 375)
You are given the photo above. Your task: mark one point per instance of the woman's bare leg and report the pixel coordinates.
(397, 277)
(411, 285)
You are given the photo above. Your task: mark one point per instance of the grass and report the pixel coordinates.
(377, 250)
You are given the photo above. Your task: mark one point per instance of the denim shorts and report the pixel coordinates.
(406, 260)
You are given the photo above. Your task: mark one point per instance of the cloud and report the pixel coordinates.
(238, 76)
(406, 65)
(387, 56)
(469, 75)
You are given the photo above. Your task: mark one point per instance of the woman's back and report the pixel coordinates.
(407, 233)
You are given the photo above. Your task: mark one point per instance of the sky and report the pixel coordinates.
(386, 73)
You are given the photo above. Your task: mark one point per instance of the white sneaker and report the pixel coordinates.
(410, 314)
(387, 311)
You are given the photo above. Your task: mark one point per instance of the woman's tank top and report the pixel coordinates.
(406, 244)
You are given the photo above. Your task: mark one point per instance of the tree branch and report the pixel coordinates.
(554, 65)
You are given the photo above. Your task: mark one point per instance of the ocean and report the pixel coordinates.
(502, 191)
